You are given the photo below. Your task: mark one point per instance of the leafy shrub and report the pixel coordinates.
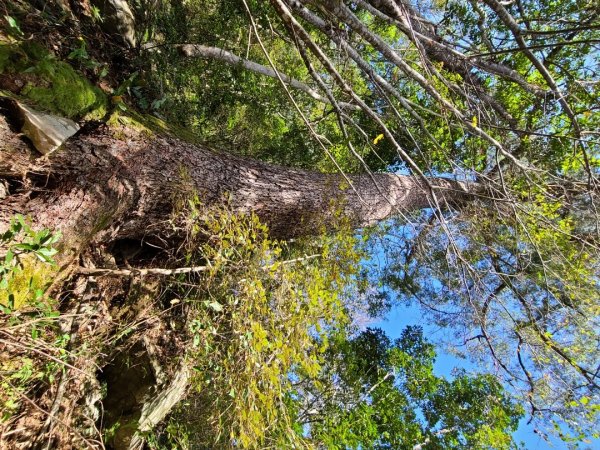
(262, 316)
(278, 363)
(27, 316)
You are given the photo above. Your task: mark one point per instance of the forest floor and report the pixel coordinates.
(80, 361)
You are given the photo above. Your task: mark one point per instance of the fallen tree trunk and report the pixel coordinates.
(115, 183)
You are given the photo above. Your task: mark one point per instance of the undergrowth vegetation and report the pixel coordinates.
(27, 316)
(279, 361)
(270, 337)
(260, 318)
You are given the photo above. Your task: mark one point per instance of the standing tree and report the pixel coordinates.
(486, 111)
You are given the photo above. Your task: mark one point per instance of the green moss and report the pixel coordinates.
(151, 125)
(51, 84)
(23, 284)
(129, 119)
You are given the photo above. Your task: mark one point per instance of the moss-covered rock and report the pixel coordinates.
(52, 85)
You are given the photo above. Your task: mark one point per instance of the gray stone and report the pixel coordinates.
(4, 192)
(46, 131)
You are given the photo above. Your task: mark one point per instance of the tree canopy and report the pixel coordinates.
(500, 94)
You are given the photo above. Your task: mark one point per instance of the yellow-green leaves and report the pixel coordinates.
(261, 318)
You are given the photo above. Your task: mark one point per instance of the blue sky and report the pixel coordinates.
(400, 316)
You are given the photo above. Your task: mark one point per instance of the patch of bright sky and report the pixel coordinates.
(401, 316)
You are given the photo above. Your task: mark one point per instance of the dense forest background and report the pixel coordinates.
(443, 155)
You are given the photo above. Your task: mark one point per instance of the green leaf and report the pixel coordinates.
(45, 254)
(215, 306)
(27, 247)
(8, 258)
(13, 24)
(11, 21)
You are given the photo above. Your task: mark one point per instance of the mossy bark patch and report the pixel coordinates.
(52, 85)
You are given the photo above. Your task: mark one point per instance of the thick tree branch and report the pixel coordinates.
(413, 26)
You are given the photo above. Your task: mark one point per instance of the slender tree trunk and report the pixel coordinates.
(203, 51)
(110, 184)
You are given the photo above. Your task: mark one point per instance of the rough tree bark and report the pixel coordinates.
(108, 184)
